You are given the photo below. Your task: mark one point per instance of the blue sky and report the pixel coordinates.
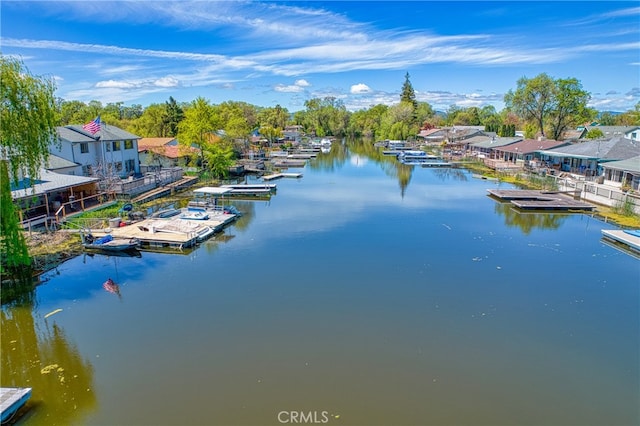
(286, 52)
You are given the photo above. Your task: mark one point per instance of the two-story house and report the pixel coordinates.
(110, 152)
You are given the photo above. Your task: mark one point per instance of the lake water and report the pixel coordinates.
(364, 293)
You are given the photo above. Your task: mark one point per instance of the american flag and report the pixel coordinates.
(93, 127)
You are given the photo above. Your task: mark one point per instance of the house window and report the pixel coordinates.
(130, 165)
(84, 148)
(128, 144)
(116, 145)
(108, 146)
(119, 166)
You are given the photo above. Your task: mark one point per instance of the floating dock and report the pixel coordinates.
(282, 175)
(11, 400)
(174, 232)
(539, 200)
(629, 240)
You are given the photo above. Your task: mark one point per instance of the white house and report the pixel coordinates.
(109, 152)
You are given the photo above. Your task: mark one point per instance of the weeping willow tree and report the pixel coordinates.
(27, 127)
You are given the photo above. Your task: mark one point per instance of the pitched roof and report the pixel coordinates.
(528, 146)
(73, 136)
(611, 131)
(107, 132)
(489, 142)
(171, 151)
(630, 164)
(145, 143)
(54, 162)
(48, 181)
(617, 148)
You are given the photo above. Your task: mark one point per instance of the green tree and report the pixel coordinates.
(570, 107)
(408, 94)
(28, 120)
(594, 134)
(276, 117)
(200, 122)
(152, 123)
(553, 105)
(629, 118)
(172, 118)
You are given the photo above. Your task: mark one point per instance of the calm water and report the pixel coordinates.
(361, 294)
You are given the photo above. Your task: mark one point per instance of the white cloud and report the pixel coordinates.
(297, 87)
(112, 84)
(167, 82)
(360, 88)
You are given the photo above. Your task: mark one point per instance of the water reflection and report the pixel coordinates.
(529, 221)
(41, 357)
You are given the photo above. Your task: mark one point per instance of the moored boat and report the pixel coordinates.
(108, 243)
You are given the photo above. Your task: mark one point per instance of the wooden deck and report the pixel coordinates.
(151, 235)
(539, 200)
(165, 190)
(11, 400)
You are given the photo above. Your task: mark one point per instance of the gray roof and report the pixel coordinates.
(488, 142)
(54, 162)
(106, 133)
(611, 131)
(617, 148)
(68, 134)
(47, 182)
(629, 165)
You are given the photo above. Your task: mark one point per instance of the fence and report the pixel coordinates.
(598, 193)
(146, 183)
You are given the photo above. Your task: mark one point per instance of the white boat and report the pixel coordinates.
(194, 214)
(412, 153)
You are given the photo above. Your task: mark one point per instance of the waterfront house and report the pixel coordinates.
(586, 158)
(623, 173)
(109, 152)
(39, 199)
(518, 154)
(485, 146)
(432, 135)
(293, 134)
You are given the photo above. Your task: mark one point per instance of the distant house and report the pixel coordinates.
(628, 132)
(586, 158)
(163, 152)
(109, 152)
(574, 135)
(293, 133)
(432, 135)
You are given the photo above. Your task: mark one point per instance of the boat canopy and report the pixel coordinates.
(213, 190)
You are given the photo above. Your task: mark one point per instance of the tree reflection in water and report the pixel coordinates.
(44, 360)
(529, 221)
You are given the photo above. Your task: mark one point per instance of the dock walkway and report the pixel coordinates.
(526, 199)
(282, 175)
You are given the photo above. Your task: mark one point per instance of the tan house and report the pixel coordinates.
(163, 153)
